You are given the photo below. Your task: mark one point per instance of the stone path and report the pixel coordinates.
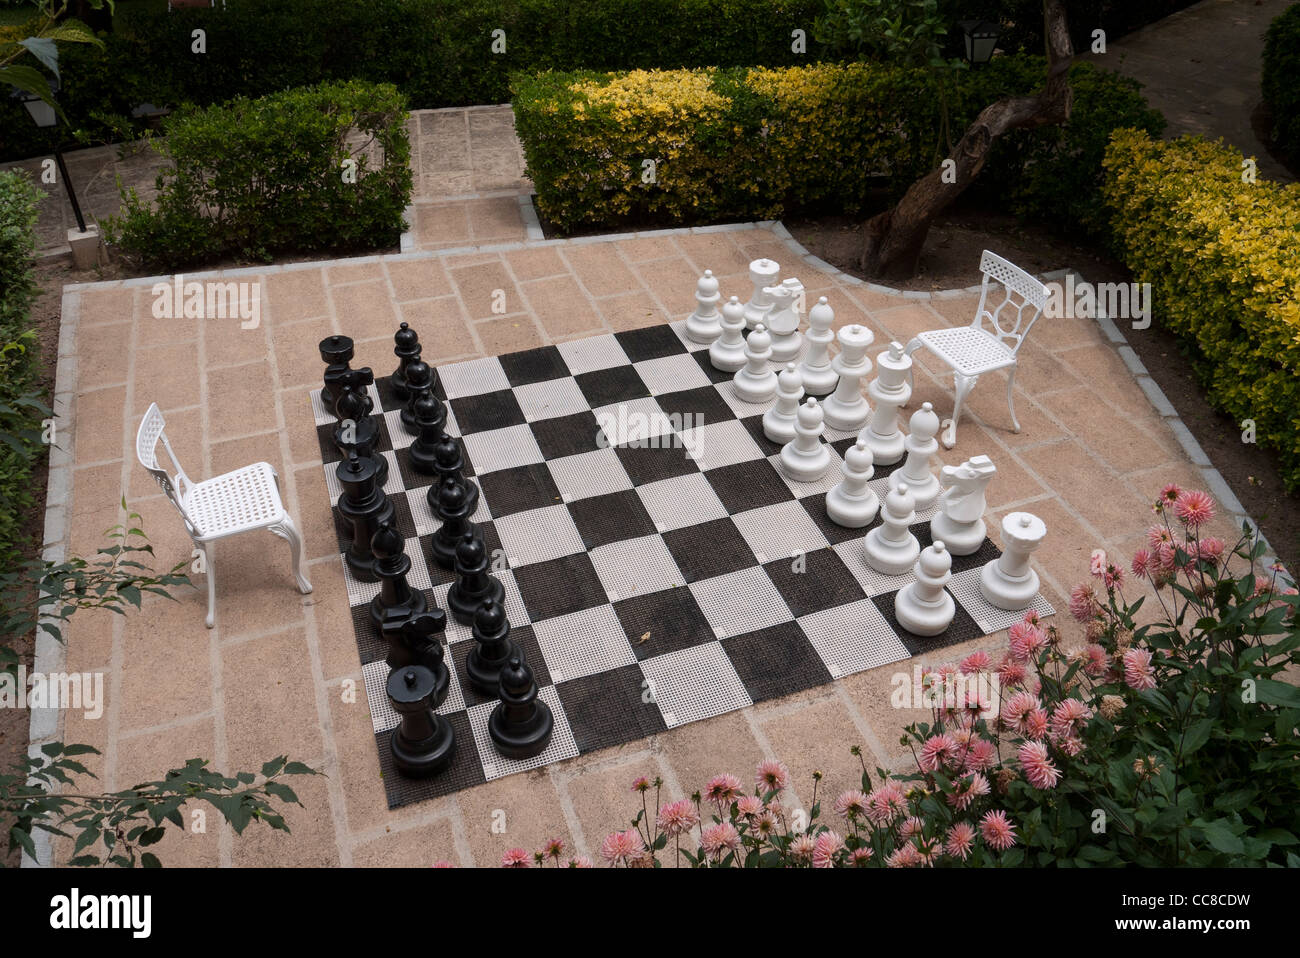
(281, 674)
(1200, 68)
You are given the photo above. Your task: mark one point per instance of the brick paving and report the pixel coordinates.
(280, 673)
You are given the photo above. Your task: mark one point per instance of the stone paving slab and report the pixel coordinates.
(280, 672)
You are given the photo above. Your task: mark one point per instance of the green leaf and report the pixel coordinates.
(45, 50)
(1272, 692)
(1221, 837)
(23, 839)
(150, 860)
(273, 767)
(1196, 736)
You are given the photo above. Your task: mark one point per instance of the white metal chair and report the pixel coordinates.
(235, 502)
(974, 350)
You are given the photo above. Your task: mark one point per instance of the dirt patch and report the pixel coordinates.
(951, 259)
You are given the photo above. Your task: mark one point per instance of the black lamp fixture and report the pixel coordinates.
(46, 117)
(981, 39)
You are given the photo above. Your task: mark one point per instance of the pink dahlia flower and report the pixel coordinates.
(678, 818)
(770, 776)
(960, 841)
(1138, 671)
(515, 858)
(620, 848)
(1039, 770)
(997, 831)
(1195, 508)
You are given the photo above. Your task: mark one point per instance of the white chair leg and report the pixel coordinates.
(1011, 399)
(211, 572)
(286, 530)
(963, 386)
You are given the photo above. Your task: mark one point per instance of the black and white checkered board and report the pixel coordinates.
(651, 546)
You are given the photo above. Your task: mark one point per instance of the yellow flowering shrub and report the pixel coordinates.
(1222, 255)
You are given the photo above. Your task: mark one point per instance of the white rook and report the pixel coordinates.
(762, 273)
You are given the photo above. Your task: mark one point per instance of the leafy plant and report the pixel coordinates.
(291, 171)
(38, 39)
(1280, 80)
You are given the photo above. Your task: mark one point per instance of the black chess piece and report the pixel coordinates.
(364, 508)
(493, 647)
(521, 724)
(449, 463)
(450, 503)
(407, 350)
(474, 584)
(424, 741)
(396, 601)
(336, 352)
(357, 429)
(430, 418)
(419, 382)
(418, 641)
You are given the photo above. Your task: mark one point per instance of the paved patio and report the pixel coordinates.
(281, 673)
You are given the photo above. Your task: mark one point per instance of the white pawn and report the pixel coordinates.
(702, 326)
(889, 391)
(727, 352)
(1007, 581)
(924, 607)
(755, 381)
(806, 458)
(852, 503)
(846, 408)
(819, 376)
(960, 521)
(891, 547)
(778, 422)
(783, 320)
(762, 273)
(921, 445)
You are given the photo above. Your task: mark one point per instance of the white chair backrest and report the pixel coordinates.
(147, 439)
(1023, 295)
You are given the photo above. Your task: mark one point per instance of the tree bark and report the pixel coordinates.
(892, 240)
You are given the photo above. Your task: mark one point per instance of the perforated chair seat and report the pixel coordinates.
(238, 501)
(968, 350)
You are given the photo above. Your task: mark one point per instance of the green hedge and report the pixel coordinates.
(437, 52)
(1280, 80)
(1223, 261)
(251, 178)
(758, 143)
(19, 421)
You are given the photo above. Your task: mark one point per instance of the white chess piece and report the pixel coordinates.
(847, 408)
(924, 607)
(778, 422)
(889, 390)
(852, 503)
(783, 320)
(762, 273)
(727, 352)
(921, 445)
(755, 382)
(891, 547)
(960, 521)
(819, 377)
(806, 458)
(1007, 581)
(703, 325)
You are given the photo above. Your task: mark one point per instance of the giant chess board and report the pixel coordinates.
(658, 567)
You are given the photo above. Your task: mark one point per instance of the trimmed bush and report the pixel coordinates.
(1223, 261)
(737, 144)
(255, 177)
(1280, 81)
(19, 417)
(438, 52)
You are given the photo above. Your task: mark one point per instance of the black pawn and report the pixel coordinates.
(449, 463)
(407, 350)
(521, 724)
(417, 641)
(474, 584)
(424, 741)
(450, 503)
(430, 418)
(396, 601)
(419, 382)
(336, 352)
(363, 508)
(493, 647)
(357, 430)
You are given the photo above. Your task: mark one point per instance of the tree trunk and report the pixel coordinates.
(892, 240)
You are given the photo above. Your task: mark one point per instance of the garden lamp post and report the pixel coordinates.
(46, 117)
(981, 39)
